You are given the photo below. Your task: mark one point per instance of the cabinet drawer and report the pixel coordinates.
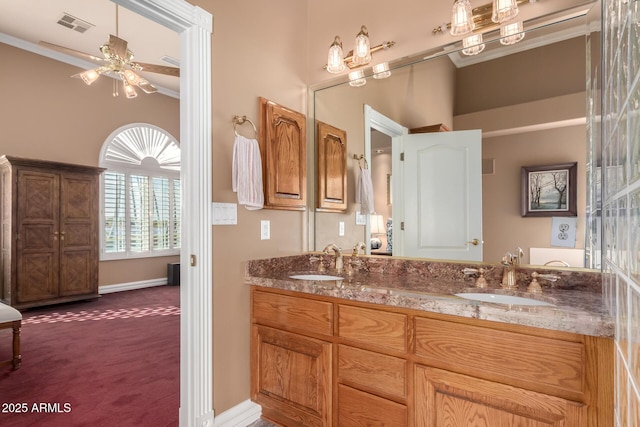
(293, 313)
(372, 371)
(546, 364)
(357, 408)
(373, 327)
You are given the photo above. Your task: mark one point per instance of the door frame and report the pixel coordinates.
(195, 26)
(374, 120)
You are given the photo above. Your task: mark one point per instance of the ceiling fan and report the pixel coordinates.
(117, 60)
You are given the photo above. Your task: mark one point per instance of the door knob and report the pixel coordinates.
(474, 242)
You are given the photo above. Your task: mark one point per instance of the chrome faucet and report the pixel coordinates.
(336, 251)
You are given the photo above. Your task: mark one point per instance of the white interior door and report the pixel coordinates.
(439, 211)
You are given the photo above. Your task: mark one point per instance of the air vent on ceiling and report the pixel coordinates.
(74, 23)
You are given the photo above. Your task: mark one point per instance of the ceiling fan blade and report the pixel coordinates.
(118, 46)
(160, 69)
(72, 52)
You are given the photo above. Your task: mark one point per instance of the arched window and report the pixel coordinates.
(140, 193)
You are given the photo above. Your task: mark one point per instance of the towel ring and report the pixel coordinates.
(361, 157)
(239, 120)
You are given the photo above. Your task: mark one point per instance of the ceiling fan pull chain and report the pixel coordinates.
(115, 88)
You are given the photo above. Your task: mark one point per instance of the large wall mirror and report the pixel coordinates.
(533, 103)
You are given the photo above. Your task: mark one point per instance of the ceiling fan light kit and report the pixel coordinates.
(118, 62)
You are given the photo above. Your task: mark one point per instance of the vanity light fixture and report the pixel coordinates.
(504, 10)
(362, 48)
(473, 44)
(356, 78)
(358, 57)
(335, 61)
(511, 33)
(481, 17)
(461, 18)
(381, 71)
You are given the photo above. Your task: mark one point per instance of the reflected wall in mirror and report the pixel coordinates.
(530, 105)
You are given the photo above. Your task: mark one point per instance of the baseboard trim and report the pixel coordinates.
(132, 285)
(240, 415)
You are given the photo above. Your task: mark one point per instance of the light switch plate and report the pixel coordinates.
(361, 219)
(224, 213)
(265, 229)
(341, 228)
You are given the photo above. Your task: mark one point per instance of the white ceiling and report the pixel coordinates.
(23, 23)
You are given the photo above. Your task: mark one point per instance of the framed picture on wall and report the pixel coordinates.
(549, 190)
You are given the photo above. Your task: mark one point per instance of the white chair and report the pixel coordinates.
(11, 318)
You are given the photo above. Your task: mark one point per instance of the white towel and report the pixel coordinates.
(247, 173)
(364, 192)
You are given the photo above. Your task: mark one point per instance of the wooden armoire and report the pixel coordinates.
(49, 217)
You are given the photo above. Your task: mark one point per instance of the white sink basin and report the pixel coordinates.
(315, 277)
(503, 299)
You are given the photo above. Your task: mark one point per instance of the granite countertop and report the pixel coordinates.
(576, 298)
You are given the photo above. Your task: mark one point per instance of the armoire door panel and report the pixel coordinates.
(37, 276)
(74, 203)
(38, 196)
(76, 272)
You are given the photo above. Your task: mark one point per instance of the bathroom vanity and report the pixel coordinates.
(391, 345)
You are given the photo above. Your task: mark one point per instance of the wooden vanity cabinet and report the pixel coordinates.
(291, 359)
(49, 217)
(400, 367)
(283, 148)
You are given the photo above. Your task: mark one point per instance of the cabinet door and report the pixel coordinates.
(291, 377)
(283, 147)
(78, 234)
(331, 168)
(446, 399)
(38, 236)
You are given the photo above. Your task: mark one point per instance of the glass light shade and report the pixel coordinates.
(511, 33)
(504, 10)
(129, 90)
(472, 45)
(356, 78)
(381, 71)
(90, 76)
(335, 60)
(461, 18)
(362, 49)
(131, 77)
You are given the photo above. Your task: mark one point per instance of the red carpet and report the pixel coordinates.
(113, 362)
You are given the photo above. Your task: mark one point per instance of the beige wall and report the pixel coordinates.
(48, 115)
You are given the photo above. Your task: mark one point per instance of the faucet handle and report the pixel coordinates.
(534, 287)
(481, 282)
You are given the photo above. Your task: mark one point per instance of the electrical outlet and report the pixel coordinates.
(341, 228)
(265, 230)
